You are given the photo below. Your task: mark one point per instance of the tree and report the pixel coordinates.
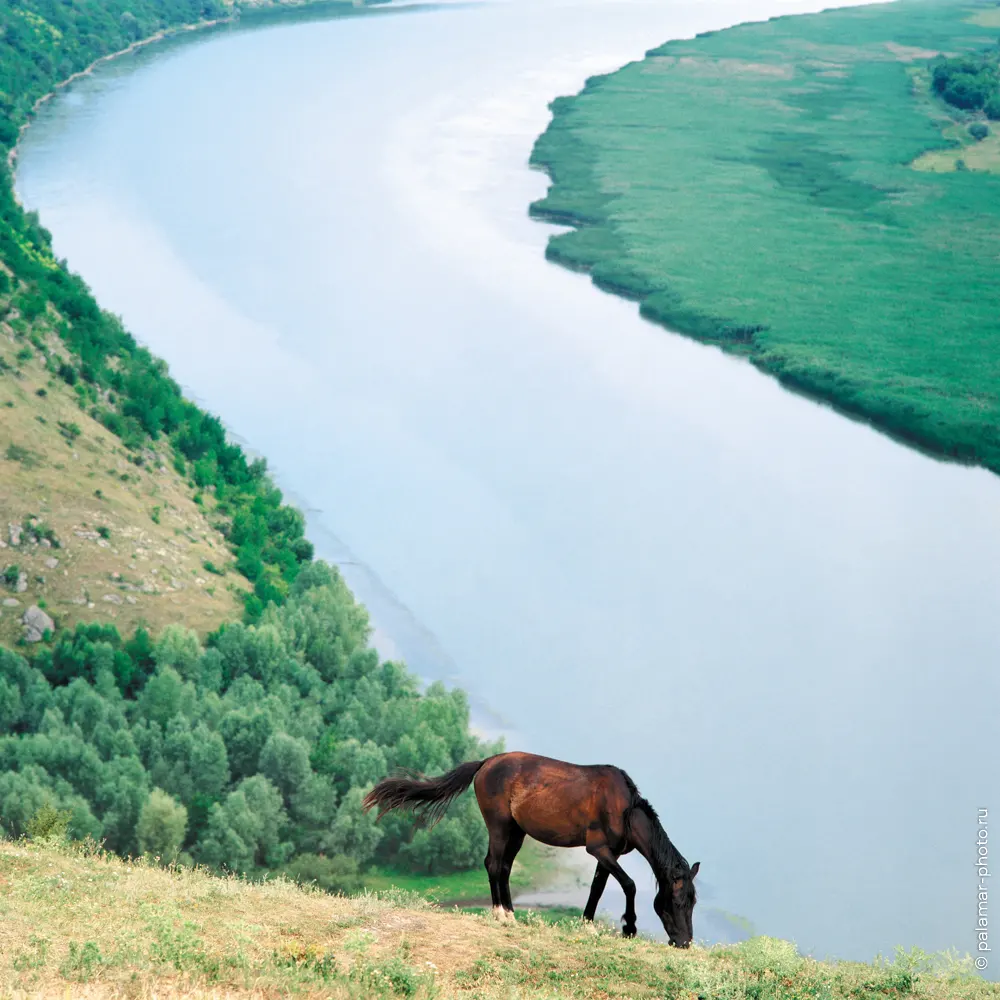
(246, 831)
(354, 832)
(245, 734)
(160, 700)
(178, 647)
(285, 762)
(162, 826)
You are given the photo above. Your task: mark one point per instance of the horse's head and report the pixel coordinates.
(674, 905)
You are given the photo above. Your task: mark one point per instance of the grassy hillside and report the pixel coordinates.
(75, 924)
(766, 189)
(64, 470)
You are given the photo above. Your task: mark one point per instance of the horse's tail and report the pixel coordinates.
(429, 798)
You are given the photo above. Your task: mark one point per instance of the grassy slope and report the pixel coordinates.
(46, 474)
(56, 478)
(754, 188)
(96, 926)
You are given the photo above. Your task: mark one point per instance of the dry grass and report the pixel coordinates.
(78, 485)
(78, 923)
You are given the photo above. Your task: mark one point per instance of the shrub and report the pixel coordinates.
(69, 430)
(49, 823)
(336, 874)
(27, 458)
(979, 131)
(162, 826)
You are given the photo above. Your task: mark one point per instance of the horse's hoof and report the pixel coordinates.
(628, 931)
(499, 913)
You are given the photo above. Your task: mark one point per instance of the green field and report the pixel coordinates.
(767, 189)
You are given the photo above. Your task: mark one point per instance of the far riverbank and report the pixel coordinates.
(755, 189)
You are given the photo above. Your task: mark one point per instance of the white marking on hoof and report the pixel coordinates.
(499, 912)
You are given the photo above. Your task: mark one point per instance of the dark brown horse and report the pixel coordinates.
(564, 805)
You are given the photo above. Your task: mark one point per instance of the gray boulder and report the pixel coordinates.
(36, 623)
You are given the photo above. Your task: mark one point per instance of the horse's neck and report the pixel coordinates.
(652, 842)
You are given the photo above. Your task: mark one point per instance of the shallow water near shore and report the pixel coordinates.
(626, 546)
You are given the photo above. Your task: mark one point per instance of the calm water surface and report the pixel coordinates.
(627, 547)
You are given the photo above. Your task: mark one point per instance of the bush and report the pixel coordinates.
(15, 453)
(49, 823)
(336, 874)
(979, 131)
(161, 827)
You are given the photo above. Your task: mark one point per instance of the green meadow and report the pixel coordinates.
(796, 192)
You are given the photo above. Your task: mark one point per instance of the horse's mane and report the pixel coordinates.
(668, 861)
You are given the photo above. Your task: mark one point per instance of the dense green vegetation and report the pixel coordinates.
(250, 754)
(969, 82)
(753, 188)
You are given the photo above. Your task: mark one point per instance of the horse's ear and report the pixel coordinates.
(694, 868)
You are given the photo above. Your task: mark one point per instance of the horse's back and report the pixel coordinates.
(553, 801)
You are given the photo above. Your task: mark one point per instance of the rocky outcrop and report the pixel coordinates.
(36, 623)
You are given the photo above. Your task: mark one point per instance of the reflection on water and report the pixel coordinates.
(626, 546)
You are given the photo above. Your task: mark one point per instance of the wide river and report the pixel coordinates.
(626, 546)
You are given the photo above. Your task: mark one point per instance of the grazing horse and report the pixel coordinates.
(564, 805)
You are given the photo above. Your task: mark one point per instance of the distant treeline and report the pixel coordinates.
(247, 754)
(971, 83)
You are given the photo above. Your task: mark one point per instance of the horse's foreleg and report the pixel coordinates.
(606, 858)
(596, 891)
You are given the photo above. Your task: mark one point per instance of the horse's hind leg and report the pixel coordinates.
(514, 841)
(596, 891)
(500, 838)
